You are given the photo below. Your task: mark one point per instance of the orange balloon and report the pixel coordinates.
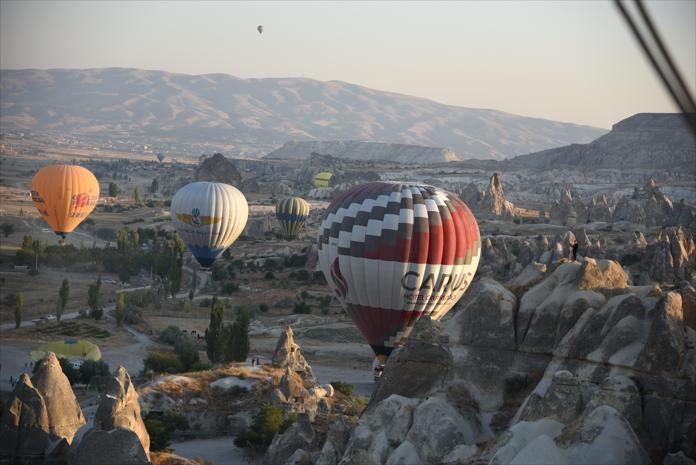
(64, 195)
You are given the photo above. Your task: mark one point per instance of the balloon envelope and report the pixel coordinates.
(64, 195)
(209, 217)
(394, 252)
(292, 212)
(260, 29)
(323, 179)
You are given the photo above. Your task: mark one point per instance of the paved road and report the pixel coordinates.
(218, 451)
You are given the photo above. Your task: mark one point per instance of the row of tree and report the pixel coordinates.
(227, 343)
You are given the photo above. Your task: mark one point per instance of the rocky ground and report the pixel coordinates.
(573, 364)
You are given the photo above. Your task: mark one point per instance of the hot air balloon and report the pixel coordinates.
(393, 252)
(260, 29)
(209, 217)
(64, 195)
(323, 179)
(292, 212)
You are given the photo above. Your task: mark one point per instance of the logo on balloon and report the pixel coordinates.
(83, 200)
(338, 279)
(36, 197)
(195, 218)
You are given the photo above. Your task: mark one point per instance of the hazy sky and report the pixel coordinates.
(564, 60)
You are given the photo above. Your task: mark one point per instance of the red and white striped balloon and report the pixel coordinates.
(393, 252)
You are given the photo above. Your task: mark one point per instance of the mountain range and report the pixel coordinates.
(253, 117)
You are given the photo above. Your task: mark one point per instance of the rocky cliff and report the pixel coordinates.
(359, 150)
(577, 366)
(644, 140)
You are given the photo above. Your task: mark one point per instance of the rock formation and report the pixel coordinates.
(299, 437)
(24, 430)
(573, 350)
(569, 210)
(493, 200)
(40, 418)
(218, 169)
(671, 257)
(650, 206)
(287, 354)
(64, 413)
(471, 195)
(118, 446)
(118, 427)
(598, 209)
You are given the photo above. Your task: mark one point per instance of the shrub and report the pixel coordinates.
(107, 234)
(219, 272)
(187, 353)
(170, 335)
(73, 374)
(159, 435)
(263, 307)
(269, 276)
(163, 362)
(230, 287)
(95, 373)
(132, 314)
(295, 261)
(318, 277)
(630, 259)
(301, 307)
(302, 275)
(360, 402)
(267, 422)
(343, 388)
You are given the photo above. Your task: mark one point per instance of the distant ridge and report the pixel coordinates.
(367, 151)
(253, 117)
(644, 140)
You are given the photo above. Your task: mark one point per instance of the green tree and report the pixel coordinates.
(154, 187)
(237, 340)
(95, 310)
(113, 189)
(63, 295)
(120, 311)
(135, 240)
(267, 422)
(214, 335)
(123, 243)
(175, 273)
(136, 196)
(194, 284)
(28, 244)
(19, 304)
(7, 229)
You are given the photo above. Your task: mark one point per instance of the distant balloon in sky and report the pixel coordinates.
(260, 29)
(292, 213)
(393, 252)
(209, 217)
(64, 195)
